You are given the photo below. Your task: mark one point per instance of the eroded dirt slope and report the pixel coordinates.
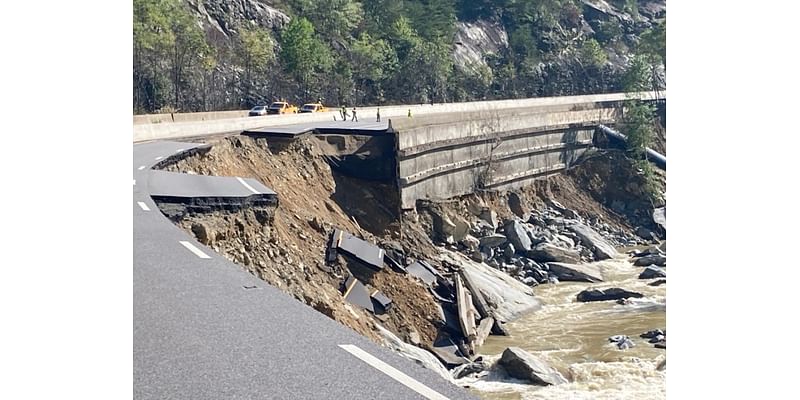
(289, 251)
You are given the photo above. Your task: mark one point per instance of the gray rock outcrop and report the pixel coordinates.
(523, 365)
(591, 239)
(576, 272)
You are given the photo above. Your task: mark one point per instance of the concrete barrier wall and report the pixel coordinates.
(187, 117)
(201, 124)
(495, 150)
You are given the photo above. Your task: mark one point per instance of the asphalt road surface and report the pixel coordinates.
(204, 328)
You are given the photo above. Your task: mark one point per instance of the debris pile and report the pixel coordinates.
(536, 246)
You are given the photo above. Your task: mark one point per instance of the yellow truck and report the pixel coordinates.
(313, 107)
(281, 107)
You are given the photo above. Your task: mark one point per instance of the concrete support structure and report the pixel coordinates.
(494, 150)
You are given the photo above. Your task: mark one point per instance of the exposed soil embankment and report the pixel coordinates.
(289, 250)
(612, 180)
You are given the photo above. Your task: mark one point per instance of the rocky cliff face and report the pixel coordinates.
(221, 16)
(475, 41)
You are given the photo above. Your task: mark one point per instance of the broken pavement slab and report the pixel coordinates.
(383, 302)
(368, 253)
(368, 298)
(420, 271)
(356, 293)
(446, 350)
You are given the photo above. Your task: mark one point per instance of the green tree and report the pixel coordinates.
(166, 38)
(255, 54)
(653, 43)
(188, 48)
(637, 76)
(432, 19)
(331, 18)
(592, 54)
(373, 60)
(302, 54)
(637, 125)
(152, 39)
(255, 49)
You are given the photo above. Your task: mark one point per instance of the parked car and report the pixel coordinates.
(281, 107)
(312, 108)
(258, 111)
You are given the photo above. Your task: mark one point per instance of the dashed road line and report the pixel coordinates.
(159, 158)
(134, 182)
(393, 373)
(246, 185)
(179, 150)
(143, 206)
(194, 250)
(142, 167)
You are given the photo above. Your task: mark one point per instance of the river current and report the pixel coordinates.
(573, 338)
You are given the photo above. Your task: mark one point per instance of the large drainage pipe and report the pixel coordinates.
(656, 158)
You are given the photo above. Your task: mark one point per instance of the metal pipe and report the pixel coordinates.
(656, 158)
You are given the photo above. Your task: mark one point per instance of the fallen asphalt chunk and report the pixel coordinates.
(356, 293)
(383, 302)
(368, 253)
(420, 271)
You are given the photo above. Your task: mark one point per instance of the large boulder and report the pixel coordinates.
(523, 365)
(561, 209)
(645, 233)
(515, 204)
(575, 272)
(476, 206)
(621, 341)
(490, 216)
(493, 240)
(653, 272)
(469, 369)
(653, 259)
(591, 239)
(471, 242)
(461, 229)
(607, 294)
(544, 252)
(660, 216)
(517, 235)
(442, 224)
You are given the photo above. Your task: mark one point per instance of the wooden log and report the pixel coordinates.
(477, 298)
(484, 328)
(465, 317)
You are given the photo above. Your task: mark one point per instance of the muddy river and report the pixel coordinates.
(573, 338)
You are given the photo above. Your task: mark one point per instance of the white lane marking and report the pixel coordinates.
(179, 150)
(393, 373)
(193, 249)
(134, 182)
(143, 206)
(159, 157)
(142, 167)
(246, 185)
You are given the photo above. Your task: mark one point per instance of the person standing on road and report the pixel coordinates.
(344, 113)
(379, 115)
(355, 118)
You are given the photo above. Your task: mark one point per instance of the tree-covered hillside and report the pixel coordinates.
(202, 55)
